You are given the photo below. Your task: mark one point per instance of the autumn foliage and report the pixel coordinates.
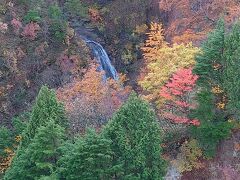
(95, 15)
(3, 27)
(91, 101)
(154, 42)
(189, 36)
(162, 60)
(9, 153)
(5, 162)
(30, 30)
(197, 16)
(189, 156)
(16, 24)
(175, 91)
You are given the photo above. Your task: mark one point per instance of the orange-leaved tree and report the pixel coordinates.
(90, 101)
(154, 42)
(189, 36)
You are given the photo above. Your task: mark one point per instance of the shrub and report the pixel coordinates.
(210, 134)
(32, 16)
(3, 27)
(55, 12)
(76, 7)
(58, 30)
(188, 158)
(30, 30)
(16, 24)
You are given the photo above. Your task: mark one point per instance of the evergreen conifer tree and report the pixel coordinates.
(209, 62)
(210, 69)
(89, 158)
(38, 160)
(46, 108)
(6, 139)
(136, 141)
(231, 72)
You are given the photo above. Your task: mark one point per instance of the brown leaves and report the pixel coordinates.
(237, 147)
(69, 62)
(20, 53)
(189, 36)
(95, 15)
(6, 161)
(188, 158)
(40, 50)
(70, 34)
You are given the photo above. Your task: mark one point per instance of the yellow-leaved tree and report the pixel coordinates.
(162, 60)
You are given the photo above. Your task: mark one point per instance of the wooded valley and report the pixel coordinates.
(119, 89)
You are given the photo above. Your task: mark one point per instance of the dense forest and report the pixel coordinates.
(119, 89)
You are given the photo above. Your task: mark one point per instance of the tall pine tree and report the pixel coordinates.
(209, 62)
(39, 158)
(136, 141)
(231, 72)
(88, 158)
(46, 108)
(211, 110)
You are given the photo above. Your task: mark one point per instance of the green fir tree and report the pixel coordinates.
(46, 108)
(88, 158)
(210, 68)
(136, 140)
(231, 73)
(38, 160)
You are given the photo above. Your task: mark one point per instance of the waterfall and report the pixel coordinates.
(103, 59)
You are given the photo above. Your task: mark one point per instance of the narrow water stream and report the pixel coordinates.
(103, 59)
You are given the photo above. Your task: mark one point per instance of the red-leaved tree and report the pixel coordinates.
(176, 93)
(17, 25)
(30, 31)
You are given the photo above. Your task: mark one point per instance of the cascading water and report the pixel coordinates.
(98, 51)
(103, 59)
